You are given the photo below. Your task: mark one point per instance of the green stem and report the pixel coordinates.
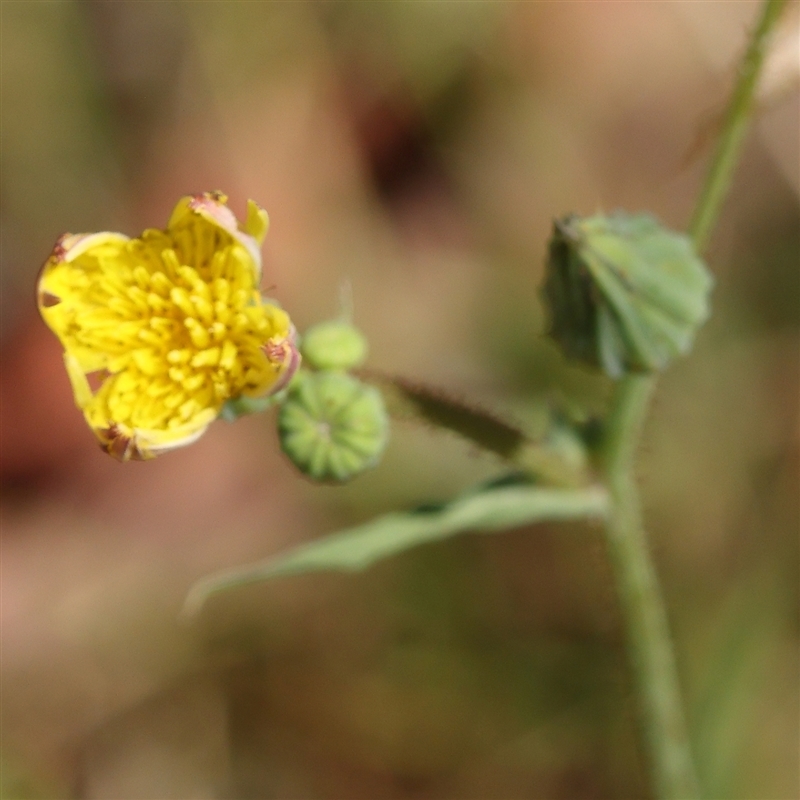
(649, 640)
(652, 656)
(734, 129)
(550, 458)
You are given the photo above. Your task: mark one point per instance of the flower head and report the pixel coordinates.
(160, 331)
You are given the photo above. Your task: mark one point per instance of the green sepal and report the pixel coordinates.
(332, 426)
(624, 293)
(244, 406)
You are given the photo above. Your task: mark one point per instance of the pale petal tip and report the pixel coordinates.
(285, 355)
(122, 443)
(213, 207)
(134, 444)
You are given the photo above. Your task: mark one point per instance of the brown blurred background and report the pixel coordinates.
(420, 151)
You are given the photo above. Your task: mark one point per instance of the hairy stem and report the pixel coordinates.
(652, 656)
(649, 640)
(551, 461)
(734, 129)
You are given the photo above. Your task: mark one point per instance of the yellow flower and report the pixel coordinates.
(160, 331)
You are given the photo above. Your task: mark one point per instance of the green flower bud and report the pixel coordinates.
(332, 426)
(334, 345)
(624, 293)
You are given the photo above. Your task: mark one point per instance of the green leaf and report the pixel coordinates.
(489, 510)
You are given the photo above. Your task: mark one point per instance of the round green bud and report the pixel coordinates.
(332, 426)
(334, 345)
(623, 292)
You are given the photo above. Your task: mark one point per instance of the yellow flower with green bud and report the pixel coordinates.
(161, 331)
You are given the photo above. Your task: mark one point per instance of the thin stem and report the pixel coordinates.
(649, 640)
(734, 129)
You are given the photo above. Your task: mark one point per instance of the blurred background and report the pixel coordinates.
(420, 151)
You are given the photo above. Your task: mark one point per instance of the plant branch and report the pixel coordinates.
(545, 457)
(649, 640)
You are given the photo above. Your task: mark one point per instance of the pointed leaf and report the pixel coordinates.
(356, 548)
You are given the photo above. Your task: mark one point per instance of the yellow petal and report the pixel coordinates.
(212, 208)
(138, 444)
(51, 284)
(80, 383)
(257, 223)
(83, 242)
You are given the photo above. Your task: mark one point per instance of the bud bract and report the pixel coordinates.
(334, 345)
(624, 293)
(332, 426)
